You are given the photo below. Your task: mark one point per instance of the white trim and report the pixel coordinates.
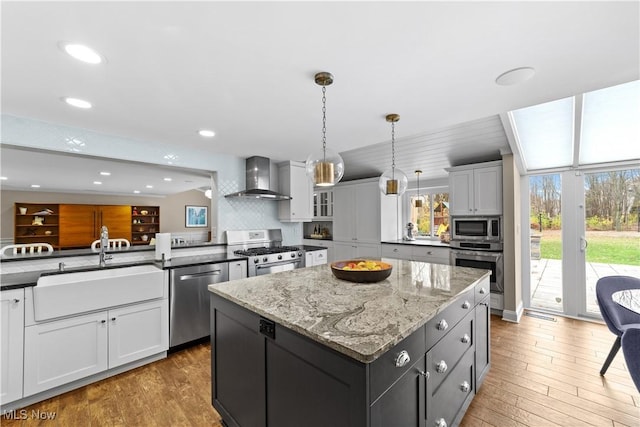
(513, 316)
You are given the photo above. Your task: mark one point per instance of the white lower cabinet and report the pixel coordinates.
(313, 258)
(67, 350)
(344, 251)
(11, 344)
(413, 252)
(237, 270)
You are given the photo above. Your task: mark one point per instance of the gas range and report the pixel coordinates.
(264, 251)
(269, 255)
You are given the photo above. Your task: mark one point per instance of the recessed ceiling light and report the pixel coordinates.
(82, 53)
(168, 179)
(105, 173)
(79, 103)
(97, 182)
(207, 133)
(35, 185)
(136, 191)
(3, 178)
(515, 76)
(149, 186)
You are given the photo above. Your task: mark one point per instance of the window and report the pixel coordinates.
(432, 219)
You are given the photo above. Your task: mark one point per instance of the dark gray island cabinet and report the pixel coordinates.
(302, 348)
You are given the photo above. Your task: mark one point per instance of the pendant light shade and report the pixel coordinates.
(418, 202)
(324, 167)
(393, 182)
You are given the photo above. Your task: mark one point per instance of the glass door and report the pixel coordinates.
(611, 229)
(545, 230)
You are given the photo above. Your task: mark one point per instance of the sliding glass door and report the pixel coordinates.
(583, 226)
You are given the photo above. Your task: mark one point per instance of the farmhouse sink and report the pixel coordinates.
(72, 293)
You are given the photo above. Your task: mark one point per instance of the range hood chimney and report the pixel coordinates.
(258, 181)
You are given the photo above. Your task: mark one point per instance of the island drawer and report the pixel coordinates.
(444, 402)
(482, 290)
(442, 322)
(444, 356)
(384, 371)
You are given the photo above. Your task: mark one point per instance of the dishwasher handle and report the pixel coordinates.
(203, 274)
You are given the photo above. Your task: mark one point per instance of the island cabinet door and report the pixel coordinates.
(482, 336)
(404, 403)
(237, 365)
(312, 386)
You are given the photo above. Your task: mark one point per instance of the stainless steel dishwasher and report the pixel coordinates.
(189, 300)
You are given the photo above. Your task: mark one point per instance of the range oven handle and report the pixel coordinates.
(275, 264)
(482, 255)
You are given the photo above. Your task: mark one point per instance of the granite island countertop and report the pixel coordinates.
(362, 321)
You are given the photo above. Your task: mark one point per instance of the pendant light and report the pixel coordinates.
(418, 203)
(325, 168)
(393, 182)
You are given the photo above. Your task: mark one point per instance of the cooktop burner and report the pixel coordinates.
(266, 251)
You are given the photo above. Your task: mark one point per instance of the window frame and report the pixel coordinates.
(428, 193)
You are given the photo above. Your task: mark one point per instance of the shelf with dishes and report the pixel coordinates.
(36, 223)
(145, 223)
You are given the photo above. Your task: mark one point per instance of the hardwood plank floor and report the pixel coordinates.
(543, 373)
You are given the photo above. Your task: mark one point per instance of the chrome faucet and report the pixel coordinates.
(104, 244)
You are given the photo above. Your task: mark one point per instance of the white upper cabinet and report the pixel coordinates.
(293, 181)
(356, 212)
(476, 189)
(322, 205)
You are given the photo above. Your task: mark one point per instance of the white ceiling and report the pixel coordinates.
(245, 69)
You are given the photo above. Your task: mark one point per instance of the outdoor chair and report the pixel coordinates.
(618, 318)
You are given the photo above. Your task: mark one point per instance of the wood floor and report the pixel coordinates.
(543, 373)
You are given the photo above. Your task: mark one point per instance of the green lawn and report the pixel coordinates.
(608, 250)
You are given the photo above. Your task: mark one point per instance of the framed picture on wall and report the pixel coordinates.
(196, 216)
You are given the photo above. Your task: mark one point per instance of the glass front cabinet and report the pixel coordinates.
(322, 204)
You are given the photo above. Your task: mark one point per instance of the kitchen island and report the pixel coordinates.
(304, 348)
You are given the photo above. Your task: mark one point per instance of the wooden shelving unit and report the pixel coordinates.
(25, 231)
(145, 221)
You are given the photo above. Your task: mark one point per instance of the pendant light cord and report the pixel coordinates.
(393, 150)
(324, 123)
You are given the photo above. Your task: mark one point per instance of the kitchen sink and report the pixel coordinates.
(70, 293)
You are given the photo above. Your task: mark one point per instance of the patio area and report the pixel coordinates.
(546, 282)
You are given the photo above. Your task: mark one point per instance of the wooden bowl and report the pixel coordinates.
(361, 276)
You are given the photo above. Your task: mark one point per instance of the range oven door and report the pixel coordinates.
(276, 267)
(485, 260)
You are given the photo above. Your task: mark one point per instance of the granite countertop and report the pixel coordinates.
(418, 242)
(362, 321)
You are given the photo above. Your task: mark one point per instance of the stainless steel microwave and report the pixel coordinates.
(485, 229)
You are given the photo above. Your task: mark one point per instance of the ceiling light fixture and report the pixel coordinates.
(35, 185)
(418, 202)
(82, 53)
(105, 173)
(149, 186)
(168, 179)
(78, 103)
(97, 182)
(515, 76)
(3, 178)
(206, 133)
(136, 191)
(393, 182)
(324, 168)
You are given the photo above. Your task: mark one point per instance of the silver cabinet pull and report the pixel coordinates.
(426, 375)
(465, 338)
(402, 359)
(442, 325)
(103, 321)
(113, 319)
(466, 305)
(483, 291)
(464, 386)
(441, 367)
(16, 300)
(441, 422)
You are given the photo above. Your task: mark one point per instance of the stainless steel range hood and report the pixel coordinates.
(258, 181)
